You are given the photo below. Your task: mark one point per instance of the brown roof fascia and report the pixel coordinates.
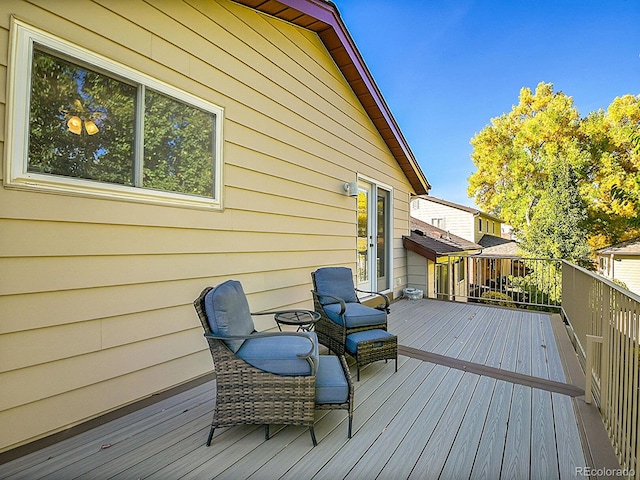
(627, 248)
(323, 18)
(415, 247)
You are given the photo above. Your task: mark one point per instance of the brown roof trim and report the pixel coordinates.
(433, 248)
(323, 18)
(627, 248)
(441, 236)
(413, 246)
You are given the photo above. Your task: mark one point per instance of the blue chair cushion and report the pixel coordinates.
(278, 354)
(335, 281)
(353, 339)
(228, 312)
(356, 315)
(331, 384)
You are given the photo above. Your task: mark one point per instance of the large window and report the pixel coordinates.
(87, 125)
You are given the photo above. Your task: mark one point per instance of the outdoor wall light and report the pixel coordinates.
(351, 188)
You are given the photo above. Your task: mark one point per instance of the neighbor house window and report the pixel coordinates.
(87, 125)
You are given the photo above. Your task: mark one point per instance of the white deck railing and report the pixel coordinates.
(605, 321)
(602, 317)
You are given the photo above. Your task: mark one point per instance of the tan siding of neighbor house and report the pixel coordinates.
(96, 294)
(458, 222)
(627, 270)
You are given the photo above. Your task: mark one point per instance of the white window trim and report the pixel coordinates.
(16, 173)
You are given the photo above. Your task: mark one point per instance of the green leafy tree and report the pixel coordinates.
(557, 229)
(518, 154)
(612, 186)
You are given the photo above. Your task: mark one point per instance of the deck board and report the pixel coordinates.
(488, 463)
(425, 421)
(459, 463)
(410, 449)
(436, 452)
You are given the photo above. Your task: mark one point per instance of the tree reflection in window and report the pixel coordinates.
(82, 124)
(61, 90)
(178, 146)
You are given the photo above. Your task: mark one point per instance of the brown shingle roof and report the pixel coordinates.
(499, 246)
(432, 242)
(630, 248)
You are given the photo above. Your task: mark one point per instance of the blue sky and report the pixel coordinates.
(446, 67)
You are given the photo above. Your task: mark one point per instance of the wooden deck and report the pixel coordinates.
(426, 421)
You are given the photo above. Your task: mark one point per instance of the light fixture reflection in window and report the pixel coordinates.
(77, 119)
(75, 126)
(90, 127)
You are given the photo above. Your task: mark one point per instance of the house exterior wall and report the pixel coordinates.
(456, 221)
(489, 226)
(628, 271)
(96, 294)
(418, 268)
(624, 268)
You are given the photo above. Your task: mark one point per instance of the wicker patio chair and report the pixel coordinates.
(267, 378)
(341, 313)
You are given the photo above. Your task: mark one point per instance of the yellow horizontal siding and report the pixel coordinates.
(37, 419)
(74, 239)
(37, 310)
(97, 295)
(29, 384)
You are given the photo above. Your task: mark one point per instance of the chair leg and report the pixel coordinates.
(313, 436)
(210, 435)
(266, 432)
(350, 423)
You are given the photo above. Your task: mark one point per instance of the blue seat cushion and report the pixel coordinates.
(353, 339)
(331, 384)
(228, 312)
(278, 354)
(337, 282)
(356, 315)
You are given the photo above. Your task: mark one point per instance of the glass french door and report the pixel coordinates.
(374, 213)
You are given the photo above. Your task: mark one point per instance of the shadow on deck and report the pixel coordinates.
(429, 420)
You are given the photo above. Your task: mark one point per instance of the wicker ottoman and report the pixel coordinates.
(369, 346)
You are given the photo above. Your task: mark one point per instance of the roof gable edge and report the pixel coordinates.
(329, 23)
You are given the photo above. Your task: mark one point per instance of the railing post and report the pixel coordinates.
(604, 332)
(450, 278)
(591, 339)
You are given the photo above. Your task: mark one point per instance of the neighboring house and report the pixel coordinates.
(468, 223)
(432, 262)
(151, 149)
(478, 227)
(622, 262)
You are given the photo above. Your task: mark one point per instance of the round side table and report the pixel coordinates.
(303, 319)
